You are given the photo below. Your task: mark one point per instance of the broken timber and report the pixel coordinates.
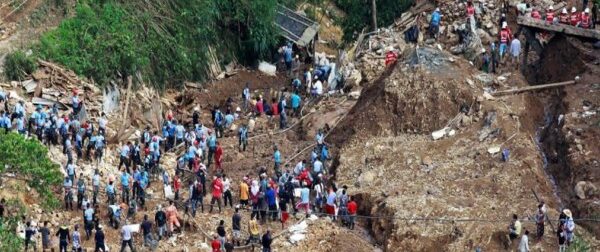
(532, 88)
(561, 28)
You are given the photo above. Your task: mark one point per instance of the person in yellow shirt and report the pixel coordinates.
(254, 231)
(514, 228)
(244, 194)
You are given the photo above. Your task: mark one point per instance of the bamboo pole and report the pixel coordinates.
(533, 88)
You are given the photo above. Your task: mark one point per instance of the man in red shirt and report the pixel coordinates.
(215, 244)
(352, 207)
(470, 9)
(535, 14)
(217, 191)
(176, 185)
(218, 155)
(259, 106)
(585, 19)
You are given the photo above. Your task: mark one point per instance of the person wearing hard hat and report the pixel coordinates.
(434, 24)
(505, 37)
(550, 15)
(585, 21)
(574, 19)
(535, 14)
(564, 16)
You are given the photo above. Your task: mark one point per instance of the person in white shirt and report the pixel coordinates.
(524, 244)
(318, 87)
(127, 239)
(227, 197)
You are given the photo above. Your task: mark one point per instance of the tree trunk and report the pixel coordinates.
(374, 15)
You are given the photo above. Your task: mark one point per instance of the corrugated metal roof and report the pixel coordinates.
(295, 27)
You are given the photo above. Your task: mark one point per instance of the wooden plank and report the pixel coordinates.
(562, 28)
(532, 88)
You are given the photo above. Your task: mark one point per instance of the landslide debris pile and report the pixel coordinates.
(410, 98)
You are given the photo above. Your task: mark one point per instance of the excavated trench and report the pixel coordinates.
(562, 60)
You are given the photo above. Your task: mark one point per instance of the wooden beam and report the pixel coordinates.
(532, 88)
(562, 28)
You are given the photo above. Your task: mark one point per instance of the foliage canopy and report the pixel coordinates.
(165, 40)
(28, 159)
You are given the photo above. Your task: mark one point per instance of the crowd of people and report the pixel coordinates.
(199, 173)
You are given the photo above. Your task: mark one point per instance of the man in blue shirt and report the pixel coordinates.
(219, 123)
(125, 186)
(295, 102)
(243, 137)
(434, 24)
(88, 215)
(277, 160)
(212, 147)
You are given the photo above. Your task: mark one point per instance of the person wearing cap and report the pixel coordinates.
(535, 14)
(161, 221)
(99, 239)
(570, 226)
(505, 37)
(564, 16)
(434, 24)
(515, 51)
(550, 15)
(585, 21)
(308, 79)
(574, 18)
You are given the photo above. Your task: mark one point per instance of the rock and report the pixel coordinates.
(584, 189)
(354, 95)
(366, 178)
(440, 133)
(493, 150)
(466, 120)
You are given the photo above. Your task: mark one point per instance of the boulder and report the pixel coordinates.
(584, 189)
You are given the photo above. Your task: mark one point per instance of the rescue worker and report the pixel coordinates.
(535, 14)
(550, 15)
(574, 16)
(564, 16)
(171, 212)
(505, 37)
(585, 21)
(434, 24)
(470, 9)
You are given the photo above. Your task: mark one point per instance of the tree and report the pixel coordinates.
(28, 160)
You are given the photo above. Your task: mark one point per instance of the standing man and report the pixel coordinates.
(63, 238)
(243, 137)
(246, 96)
(276, 159)
(540, 217)
(127, 239)
(217, 191)
(505, 37)
(574, 17)
(352, 208)
(99, 238)
(161, 221)
(124, 158)
(236, 220)
(266, 241)
(434, 24)
(515, 51)
(147, 231)
(585, 22)
(227, 196)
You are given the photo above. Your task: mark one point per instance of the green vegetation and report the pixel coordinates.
(167, 41)
(358, 14)
(579, 245)
(17, 65)
(28, 160)
(8, 240)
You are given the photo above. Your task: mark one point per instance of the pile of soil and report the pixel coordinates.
(407, 100)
